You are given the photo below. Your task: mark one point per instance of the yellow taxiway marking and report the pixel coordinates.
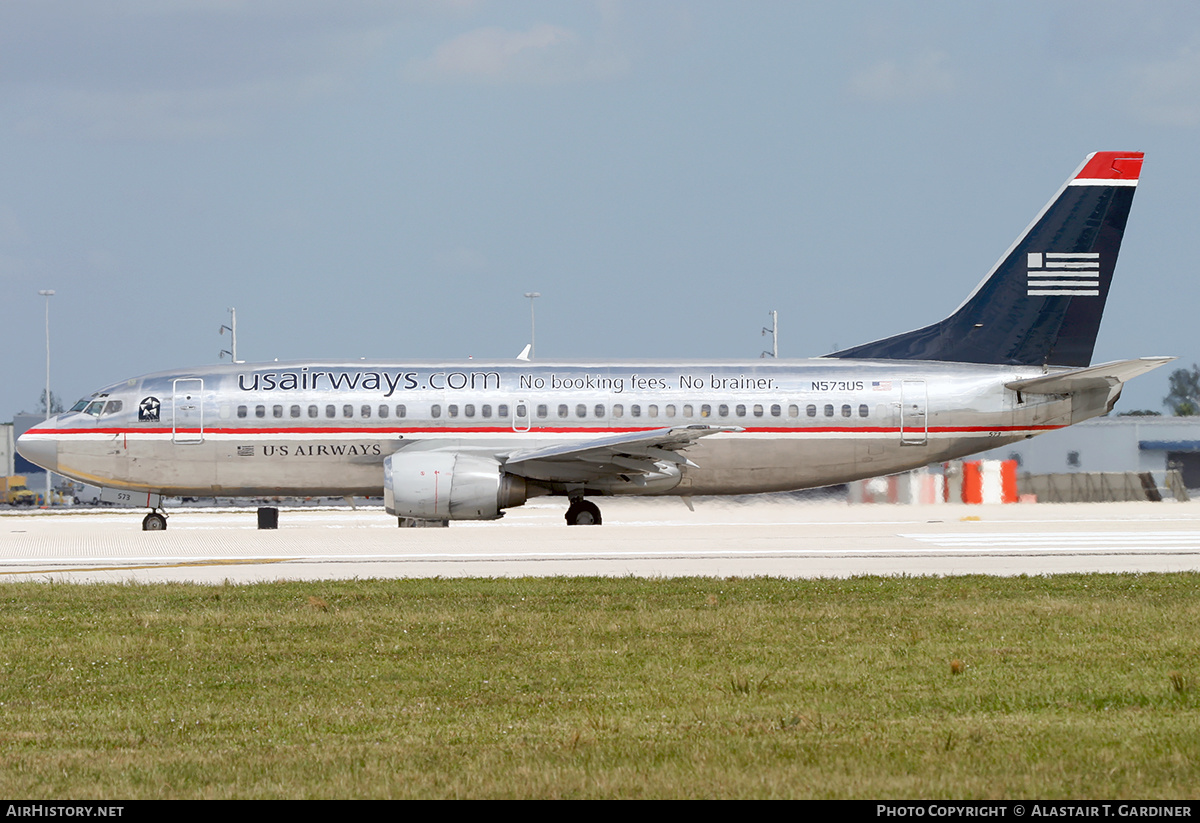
(215, 562)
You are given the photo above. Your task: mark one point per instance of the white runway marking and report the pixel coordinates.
(641, 537)
(1073, 542)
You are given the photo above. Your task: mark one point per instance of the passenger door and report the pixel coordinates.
(914, 428)
(187, 411)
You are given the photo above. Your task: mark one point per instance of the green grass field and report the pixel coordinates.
(1057, 687)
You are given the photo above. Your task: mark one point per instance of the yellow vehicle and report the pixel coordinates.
(14, 491)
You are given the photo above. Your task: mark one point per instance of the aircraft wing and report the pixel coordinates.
(1106, 375)
(636, 453)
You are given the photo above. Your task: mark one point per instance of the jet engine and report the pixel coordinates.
(445, 485)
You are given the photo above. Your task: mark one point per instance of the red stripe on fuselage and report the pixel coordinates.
(548, 430)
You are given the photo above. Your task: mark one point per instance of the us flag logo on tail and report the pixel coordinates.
(1074, 274)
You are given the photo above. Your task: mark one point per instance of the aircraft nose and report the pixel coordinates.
(39, 449)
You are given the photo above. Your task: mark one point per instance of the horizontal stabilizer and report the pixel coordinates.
(1094, 377)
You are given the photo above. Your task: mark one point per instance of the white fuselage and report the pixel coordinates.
(326, 428)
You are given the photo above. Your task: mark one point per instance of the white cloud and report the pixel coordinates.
(923, 76)
(545, 54)
(139, 69)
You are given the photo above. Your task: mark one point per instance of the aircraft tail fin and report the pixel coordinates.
(1041, 303)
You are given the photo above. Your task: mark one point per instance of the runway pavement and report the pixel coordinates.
(645, 537)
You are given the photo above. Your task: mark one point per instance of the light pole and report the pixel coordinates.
(47, 293)
(233, 335)
(532, 345)
(774, 332)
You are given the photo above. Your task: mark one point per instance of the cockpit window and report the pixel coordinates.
(81, 405)
(94, 408)
(112, 407)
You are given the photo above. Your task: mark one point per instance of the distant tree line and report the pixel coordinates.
(1183, 398)
(56, 406)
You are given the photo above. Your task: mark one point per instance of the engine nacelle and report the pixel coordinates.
(434, 485)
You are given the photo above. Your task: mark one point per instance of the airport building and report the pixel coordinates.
(8, 448)
(21, 424)
(1112, 444)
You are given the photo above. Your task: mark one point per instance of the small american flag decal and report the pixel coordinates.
(1073, 274)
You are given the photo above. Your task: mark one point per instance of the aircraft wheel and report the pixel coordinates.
(583, 513)
(154, 522)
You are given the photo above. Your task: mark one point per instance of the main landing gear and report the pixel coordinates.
(268, 518)
(583, 513)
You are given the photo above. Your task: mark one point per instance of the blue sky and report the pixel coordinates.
(386, 179)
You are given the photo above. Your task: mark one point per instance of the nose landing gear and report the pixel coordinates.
(154, 522)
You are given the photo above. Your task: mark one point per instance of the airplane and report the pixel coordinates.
(466, 441)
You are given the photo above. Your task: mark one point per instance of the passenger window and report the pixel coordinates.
(758, 410)
(635, 410)
(260, 411)
(383, 411)
(706, 410)
(312, 411)
(687, 410)
(670, 410)
(618, 410)
(452, 410)
(723, 410)
(485, 410)
(562, 409)
(581, 410)
(846, 410)
(435, 411)
(366, 411)
(652, 410)
(777, 410)
(241, 412)
(599, 410)
(863, 411)
(502, 410)
(811, 411)
(295, 411)
(347, 410)
(741, 410)
(469, 410)
(401, 410)
(794, 410)
(829, 410)
(542, 410)
(331, 411)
